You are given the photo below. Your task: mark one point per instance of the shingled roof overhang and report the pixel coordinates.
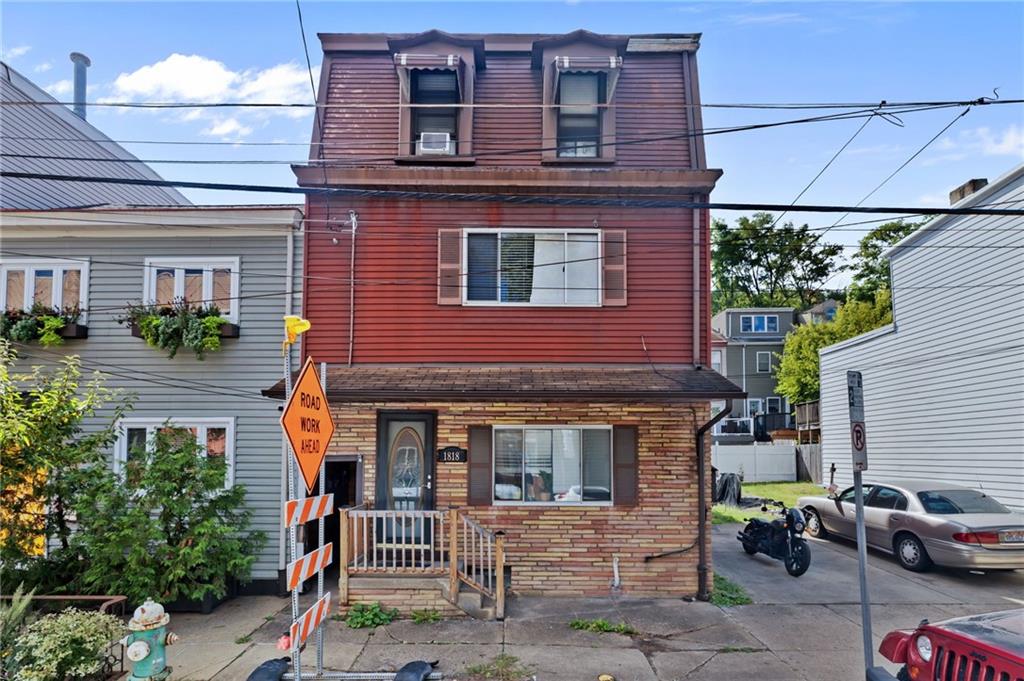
(581, 383)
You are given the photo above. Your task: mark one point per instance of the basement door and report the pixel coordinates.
(405, 474)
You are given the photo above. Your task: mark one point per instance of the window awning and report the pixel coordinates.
(408, 61)
(610, 65)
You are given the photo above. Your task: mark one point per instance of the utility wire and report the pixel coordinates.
(513, 198)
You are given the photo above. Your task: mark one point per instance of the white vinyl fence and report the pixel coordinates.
(756, 462)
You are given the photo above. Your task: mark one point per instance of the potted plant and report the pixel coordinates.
(46, 325)
(172, 327)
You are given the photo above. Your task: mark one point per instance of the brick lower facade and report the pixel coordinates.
(569, 550)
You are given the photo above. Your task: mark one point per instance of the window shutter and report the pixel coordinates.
(614, 267)
(480, 466)
(449, 266)
(624, 466)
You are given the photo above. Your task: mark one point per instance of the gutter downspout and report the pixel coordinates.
(702, 502)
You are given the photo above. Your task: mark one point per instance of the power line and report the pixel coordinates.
(513, 198)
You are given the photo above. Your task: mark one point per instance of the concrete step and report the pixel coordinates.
(472, 602)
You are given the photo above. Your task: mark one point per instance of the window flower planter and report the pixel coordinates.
(74, 330)
(179, 325)
(43, 325)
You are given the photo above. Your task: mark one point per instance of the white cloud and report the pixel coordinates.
(43, 68)
(15, 52)
(229, 127)
(178, 78)
(978, 141)
(60, 88)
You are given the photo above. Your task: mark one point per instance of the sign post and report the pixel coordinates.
(859, 451)
(308, 427)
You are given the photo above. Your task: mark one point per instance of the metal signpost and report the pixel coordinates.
(308, 427)
(859, 450)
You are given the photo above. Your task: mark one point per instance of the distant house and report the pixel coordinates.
(944, 383)
(825, 311)
(96, 247)
(749, 342)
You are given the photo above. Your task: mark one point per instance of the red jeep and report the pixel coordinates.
(977, 648)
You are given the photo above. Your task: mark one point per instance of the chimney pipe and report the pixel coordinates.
(81, 63)
(966, 189)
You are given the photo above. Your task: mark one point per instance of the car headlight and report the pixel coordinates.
(924, 648)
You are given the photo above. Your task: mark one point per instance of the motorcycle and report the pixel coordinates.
(780, 538)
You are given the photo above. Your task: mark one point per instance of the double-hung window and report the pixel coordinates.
(561, 465)
(215, 435)
(754, 406)
(196, 281)
(58, 284)
(764, 362)
(433, 88)
(759, 323)
(716, 360)
(579, 114)
(773, 405)
(544, 267)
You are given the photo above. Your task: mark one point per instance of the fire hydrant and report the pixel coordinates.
(146, 644)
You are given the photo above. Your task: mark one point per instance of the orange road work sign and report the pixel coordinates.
(308, 424)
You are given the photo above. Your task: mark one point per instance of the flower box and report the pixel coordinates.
(226, 331)
(74, 330)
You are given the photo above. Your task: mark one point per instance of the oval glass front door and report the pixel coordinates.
(406, 471)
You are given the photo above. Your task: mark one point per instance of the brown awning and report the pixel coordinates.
(406, 62)
(610, 65)
(582, 383)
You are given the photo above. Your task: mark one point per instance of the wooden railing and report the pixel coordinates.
(422, 543)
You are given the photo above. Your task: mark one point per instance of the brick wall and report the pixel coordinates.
(568, 550)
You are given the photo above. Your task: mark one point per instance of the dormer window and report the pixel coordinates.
(579, 114)
(431, 124)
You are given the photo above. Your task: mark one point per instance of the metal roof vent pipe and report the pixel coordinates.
(81, 63)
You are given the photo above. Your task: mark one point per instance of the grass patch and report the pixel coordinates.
(727, 593)
(425, 616)
(502, 668)
(602, 627)
(786, 492)
(242, 640)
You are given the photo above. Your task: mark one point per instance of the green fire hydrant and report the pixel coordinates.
(146, 645)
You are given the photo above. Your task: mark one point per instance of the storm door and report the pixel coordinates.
(405, 477)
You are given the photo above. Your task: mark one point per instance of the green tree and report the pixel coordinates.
(755, 264)
(871, 267)
(48, 462)
(798, 374)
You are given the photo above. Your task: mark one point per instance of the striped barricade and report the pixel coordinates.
(307, 624)
(298, 511)
(301, 569)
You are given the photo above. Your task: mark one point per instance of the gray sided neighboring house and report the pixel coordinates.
(944, 383)
(223, 391)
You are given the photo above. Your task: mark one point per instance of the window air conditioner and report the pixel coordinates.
(438, 143)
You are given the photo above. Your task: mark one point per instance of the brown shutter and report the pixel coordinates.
(449, 266)
(624, 465)
(480, 462)
(613, 272)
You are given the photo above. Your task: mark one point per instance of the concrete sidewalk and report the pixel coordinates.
(677, 640)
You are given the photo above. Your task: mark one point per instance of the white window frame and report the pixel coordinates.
(59, 266)
(180, 264)
(553, 502)
(152, 424)
(721, 361)
(464, 274)
(778, 399)
(757, 362)
(750, 403)
(753, 322)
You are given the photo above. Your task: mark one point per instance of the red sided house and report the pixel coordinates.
(514, 313)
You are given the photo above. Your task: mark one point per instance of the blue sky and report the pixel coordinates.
(750, 52)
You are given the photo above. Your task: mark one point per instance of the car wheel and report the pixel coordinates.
(910, 553)
(815, 527)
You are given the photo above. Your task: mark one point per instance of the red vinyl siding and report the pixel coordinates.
(363, 131)
(507, 80)
(398, 319)
(654, 81)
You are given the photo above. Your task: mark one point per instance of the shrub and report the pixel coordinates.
(41, 323)
(366, 615)
(64, 646)
(12, 618)
(166, 525)
(176, 326)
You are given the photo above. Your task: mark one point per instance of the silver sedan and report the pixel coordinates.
(924, 523)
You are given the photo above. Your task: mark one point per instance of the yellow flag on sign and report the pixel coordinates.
(293, 327)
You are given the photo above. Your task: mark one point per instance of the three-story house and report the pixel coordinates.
(517, 333)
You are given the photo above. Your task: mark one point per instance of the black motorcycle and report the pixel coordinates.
(780, 539)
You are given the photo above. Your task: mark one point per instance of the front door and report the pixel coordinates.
(405, 473)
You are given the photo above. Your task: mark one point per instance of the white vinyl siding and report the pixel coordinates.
(943, 401)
